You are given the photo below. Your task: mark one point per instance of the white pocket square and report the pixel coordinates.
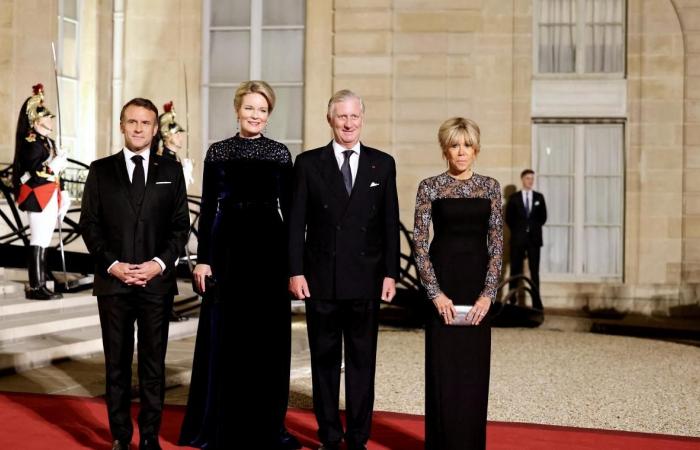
(164, 182)
(373, 184)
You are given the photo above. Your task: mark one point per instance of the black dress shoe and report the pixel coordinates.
(287, 441)
(177, 317)
(329, 447)
(149, 443)
(120, 445)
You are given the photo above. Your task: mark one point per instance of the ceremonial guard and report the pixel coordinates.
(37, 185)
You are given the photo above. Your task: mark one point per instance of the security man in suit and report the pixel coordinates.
(526, 214)
(344, 258)
(134, 222)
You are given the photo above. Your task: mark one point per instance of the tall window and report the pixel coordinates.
(68, 57)
(580, 172)
(580, 36)
(253, 40)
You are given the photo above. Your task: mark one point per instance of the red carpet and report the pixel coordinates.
(29, 422)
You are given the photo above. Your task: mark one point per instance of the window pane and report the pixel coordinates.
(230, 13)
(555, 160)
(603, 199)
(555, 149)
(283, 55)
(603, 175)
(605, 256)
(70, 9)
(69, 111)
(222, 118)
(229, 56)
(605, 41)
(285, 121)
(557, 36)
(283, 12)
(557, 252)
(69, 66)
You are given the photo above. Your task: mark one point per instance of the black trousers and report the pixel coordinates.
(118, 313)
(329, 324)
(517, 256)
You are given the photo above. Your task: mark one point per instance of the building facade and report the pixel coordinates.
(600, 97)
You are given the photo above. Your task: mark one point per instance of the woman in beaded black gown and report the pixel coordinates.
(240, 375)
(460, 266)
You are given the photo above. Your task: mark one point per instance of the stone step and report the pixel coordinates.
(22, 326)
(44, 349)
(10, 288)
(16, 304)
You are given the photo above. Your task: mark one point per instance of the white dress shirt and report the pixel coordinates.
(130, 166)
(354, 157)
(128, 154)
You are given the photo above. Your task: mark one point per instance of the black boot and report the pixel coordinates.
(37, 276)
(42, 272)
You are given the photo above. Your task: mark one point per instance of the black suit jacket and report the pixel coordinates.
(344, 245)
(519, 223)
(113, 228)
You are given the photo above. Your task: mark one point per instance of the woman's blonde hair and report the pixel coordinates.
(254, 87)
(455, 128)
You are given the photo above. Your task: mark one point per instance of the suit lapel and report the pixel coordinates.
(332, 176)
(521, 203)
(123, 176)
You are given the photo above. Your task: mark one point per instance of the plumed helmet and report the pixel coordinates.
(35, 105)
(166, 123)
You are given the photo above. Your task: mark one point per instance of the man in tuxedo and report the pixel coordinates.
(344, 258)
(526, 213)
(135, 222)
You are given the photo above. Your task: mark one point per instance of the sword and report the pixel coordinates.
(187, 111)
(187, 160)
(59, 135)
(60, 148)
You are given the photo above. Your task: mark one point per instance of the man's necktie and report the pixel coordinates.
(138, 179)
(528, 207)
(345, 170)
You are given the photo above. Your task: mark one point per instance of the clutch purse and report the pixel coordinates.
(210, 286)
(460, 319)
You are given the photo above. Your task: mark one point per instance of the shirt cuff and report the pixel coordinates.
(160, 263)
(110, 267)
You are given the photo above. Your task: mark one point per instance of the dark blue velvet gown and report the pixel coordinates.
(240, 375)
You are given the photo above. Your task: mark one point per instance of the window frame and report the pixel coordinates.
(577, 274)
(580, 63)
(74, 136)
(256, 29)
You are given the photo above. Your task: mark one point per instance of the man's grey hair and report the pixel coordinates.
(341, 96)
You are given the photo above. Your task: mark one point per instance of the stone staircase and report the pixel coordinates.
(37, 333)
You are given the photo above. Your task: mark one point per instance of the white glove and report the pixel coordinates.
(187, 170)
(58, 163)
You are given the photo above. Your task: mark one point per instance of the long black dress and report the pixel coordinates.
(240, 375)
(464, 262)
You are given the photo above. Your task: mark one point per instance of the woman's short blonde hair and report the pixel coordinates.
(254, 87)
(455, 128)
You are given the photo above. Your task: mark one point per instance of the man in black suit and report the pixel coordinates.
(526, 213)
(135, 222)
(344, 258)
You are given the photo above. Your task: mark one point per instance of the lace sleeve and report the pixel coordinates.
(421, 232)
(495, 241)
